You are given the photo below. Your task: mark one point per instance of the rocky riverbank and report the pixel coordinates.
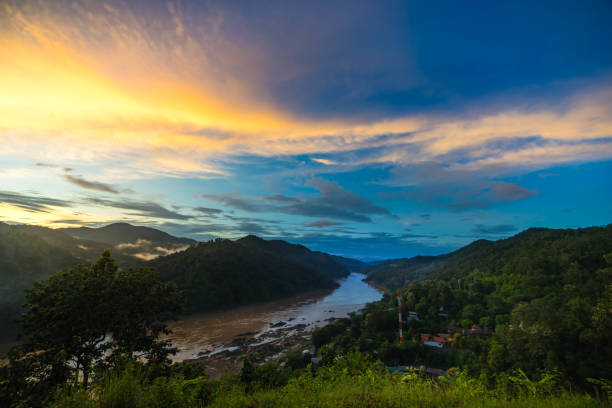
(261, 345)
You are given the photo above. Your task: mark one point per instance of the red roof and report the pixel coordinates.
(426, 337)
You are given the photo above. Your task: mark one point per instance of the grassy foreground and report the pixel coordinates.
(352, 381)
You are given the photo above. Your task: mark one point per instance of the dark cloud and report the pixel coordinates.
(236, 201)
(425, 216)
(141, 208)
(500, 229)
(250, 219)
(212, 212)
(68, 221)
(52, 166)
(90, 185)
(30, 202)
(333, 202)
(324, 223)
(457, 190)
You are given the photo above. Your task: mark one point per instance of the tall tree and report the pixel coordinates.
(84, 315)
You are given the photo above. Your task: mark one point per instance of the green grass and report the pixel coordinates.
(352, 381)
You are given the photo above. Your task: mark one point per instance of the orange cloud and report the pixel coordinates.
(145, 91)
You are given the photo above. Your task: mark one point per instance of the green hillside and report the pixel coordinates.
(397, 273)
(223, 273)
(25, 258)
(353, 265)
(540, 301)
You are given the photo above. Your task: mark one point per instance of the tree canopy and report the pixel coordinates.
(87, 315)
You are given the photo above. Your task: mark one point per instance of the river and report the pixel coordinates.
(213, 333)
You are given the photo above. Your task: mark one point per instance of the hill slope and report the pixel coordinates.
(397, 273)
(353, 265)
(540, 301)
(29, 253)
(25, 257)
(223, 273)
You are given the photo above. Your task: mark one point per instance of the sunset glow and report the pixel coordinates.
(145, 112)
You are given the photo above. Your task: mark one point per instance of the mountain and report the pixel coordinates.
(30, 253)
(121, 232)
(353, 265)
(26, 257)
(298, 253)
(397, 273)
(222, 273)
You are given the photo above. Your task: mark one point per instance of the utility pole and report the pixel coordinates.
(399, 309)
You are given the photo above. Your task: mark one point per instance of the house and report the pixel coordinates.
(412, 316)
(442, 312)
(434, 341)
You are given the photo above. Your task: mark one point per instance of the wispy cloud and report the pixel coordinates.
(90, 185)
(326, 162)
(140, 208)
(189, 112)
(438, 185)
(332, 202)
(324, 223)
(32, 202)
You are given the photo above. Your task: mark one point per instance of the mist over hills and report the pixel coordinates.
(122, 232)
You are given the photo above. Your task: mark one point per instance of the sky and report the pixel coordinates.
(371, 130)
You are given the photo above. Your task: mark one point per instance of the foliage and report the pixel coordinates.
(223, 273)
(351, 380)
(86, 316)
(543, 296)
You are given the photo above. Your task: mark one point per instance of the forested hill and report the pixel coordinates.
(397, 273)
(297, 253)
(222, 273)
(515, 253)
(30, 253)
(543, 295)
(351, 264)
(25, 258)
(122, 232)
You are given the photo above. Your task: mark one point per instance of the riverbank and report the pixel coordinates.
(265, 330)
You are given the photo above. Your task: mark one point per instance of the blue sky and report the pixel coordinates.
(366, 129)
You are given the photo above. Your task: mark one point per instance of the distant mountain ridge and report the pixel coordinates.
(353, 265)
(121, 232)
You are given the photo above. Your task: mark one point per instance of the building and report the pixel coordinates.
(412, 316)
(434, 341)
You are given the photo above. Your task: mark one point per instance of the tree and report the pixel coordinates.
(89, 313)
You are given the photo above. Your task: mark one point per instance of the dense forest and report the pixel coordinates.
(216, 275)
(540, 301)
(224, 273)
(521, 322)
(397, 273)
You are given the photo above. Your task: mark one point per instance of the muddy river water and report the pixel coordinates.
(211, 333)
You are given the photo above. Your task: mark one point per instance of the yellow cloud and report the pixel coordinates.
(108, 84)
